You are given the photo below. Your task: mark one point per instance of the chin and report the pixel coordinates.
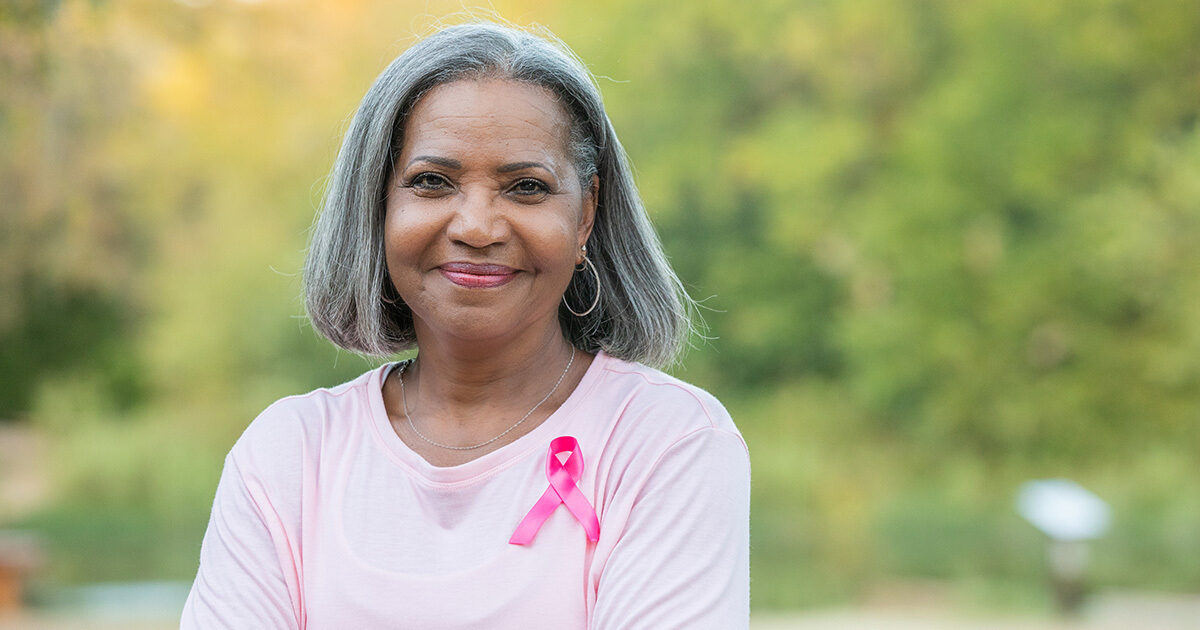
(478, 324)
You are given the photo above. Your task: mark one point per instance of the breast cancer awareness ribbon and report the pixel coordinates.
(562, 477)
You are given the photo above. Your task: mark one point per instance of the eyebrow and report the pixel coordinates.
(456, 165)
(519, 166)
(440, 161)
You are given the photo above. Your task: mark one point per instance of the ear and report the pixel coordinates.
(587, 217)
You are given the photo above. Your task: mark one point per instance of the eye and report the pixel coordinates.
(426, 183)
(530, 188)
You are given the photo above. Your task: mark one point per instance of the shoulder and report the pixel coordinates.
(653, 393)
(293, 429)
(666, 441)
(653, 414)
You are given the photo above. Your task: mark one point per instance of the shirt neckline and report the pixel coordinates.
(538, 438)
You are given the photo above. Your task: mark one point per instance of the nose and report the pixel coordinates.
(478, 221)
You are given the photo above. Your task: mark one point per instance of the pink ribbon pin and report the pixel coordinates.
(562, 477)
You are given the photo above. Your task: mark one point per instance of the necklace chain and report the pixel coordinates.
(407, 416)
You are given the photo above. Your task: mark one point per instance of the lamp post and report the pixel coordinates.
(1070, 516)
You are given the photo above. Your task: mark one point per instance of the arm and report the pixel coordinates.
(246, 577)
(682, 560)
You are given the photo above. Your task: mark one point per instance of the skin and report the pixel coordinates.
(484, 177)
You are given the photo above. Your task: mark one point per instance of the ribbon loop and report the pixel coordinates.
(562, 475)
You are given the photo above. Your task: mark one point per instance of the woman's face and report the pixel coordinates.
(485, 211)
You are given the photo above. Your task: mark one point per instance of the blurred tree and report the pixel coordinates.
(953, 212)
(950, 245)
(68, 245)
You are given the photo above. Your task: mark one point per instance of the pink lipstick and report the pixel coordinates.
(477, 276)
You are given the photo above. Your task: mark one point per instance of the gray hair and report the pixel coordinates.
(643, 314)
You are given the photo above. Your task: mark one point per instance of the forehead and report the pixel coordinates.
(487, 114)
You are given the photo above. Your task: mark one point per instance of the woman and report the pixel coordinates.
(526, 470)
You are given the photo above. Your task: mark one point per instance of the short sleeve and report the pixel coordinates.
(682, 560)
(246, 579)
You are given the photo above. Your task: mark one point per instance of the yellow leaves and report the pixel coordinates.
(801, 40)
(179, 84)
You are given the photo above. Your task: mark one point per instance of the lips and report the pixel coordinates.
(477, 276)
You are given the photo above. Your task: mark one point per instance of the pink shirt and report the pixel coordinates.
(324, 518)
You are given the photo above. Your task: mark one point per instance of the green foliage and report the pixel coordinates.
(63, 329)
(950, 247)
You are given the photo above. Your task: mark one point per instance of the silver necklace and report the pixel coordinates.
(407, 416)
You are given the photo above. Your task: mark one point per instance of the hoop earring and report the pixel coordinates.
(586, 263)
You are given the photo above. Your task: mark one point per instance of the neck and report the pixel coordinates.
(470, 389)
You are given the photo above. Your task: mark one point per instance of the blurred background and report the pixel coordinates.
(947, 248)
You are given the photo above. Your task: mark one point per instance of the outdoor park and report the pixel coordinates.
(944, 249)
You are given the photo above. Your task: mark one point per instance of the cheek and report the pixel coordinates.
(393, 238)
(401, 251)
(402, 233)
(554, 246)
(556, 233)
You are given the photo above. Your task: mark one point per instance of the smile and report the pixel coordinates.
(476, 276)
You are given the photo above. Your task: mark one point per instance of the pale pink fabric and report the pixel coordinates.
(324, 518)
